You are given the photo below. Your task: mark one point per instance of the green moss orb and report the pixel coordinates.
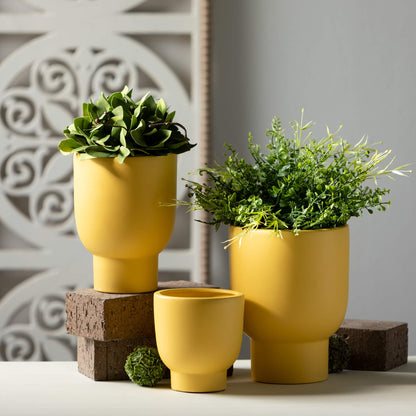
(144, 366)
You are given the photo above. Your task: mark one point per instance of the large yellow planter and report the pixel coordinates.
(198, 335)
(120, 220)
(296, 291)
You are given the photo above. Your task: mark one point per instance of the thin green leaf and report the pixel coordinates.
(68, 145)
(161, 108)
(97, 151)
(169, 118)
(123, 153)
(82, 125)
(102, 105)
(153, 131)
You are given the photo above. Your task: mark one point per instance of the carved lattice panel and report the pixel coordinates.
(56, 54)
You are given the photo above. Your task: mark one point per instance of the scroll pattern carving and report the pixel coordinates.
(41, 87)
(44, 337)
(33, 174)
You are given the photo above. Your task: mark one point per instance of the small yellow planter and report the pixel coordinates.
(296, 291)
(119, 218)
(198, 335)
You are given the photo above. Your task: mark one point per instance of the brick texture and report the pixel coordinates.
(375, 345)
(107, 316)
(104, 360)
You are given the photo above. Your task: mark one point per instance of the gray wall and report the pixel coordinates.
(349, 62)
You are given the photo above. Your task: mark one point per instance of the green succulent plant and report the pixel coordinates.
(116, 126)
(144, 366)
(300, 184)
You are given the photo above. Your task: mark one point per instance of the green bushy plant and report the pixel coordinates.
(117, 126)
(300, 184)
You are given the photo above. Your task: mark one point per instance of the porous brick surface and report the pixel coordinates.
(375, 345)
(108, 316)
(104, 360)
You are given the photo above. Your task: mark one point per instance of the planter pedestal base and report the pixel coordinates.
(133, 275)
(198, 383)
(289, 363)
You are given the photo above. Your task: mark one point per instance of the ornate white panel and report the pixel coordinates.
(68, 51)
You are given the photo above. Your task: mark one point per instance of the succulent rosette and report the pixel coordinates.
(117, 126)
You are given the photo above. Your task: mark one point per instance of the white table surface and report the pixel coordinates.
(56, 388)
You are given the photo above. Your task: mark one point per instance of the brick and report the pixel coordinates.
(375, 345)
(104, 360)
(109, 316)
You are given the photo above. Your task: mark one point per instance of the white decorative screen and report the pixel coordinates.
(55, 55)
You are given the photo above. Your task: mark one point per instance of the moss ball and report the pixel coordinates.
(144, 366)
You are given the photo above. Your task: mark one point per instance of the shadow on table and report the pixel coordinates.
(406, 368)
(347, 382)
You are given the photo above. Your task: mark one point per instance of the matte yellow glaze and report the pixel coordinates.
(198, 335)
(296, 291)
(119, 218)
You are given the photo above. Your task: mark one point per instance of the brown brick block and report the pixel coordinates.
(104, 360)
(108, 316)
(375, 345)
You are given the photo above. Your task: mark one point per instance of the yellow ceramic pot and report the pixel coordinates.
(120, 220)
(198, 335)
(296, 291)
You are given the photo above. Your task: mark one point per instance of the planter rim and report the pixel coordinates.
(266, 231)
(206, 294)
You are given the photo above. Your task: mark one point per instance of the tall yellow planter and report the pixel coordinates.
(120, 220)
(296, 291)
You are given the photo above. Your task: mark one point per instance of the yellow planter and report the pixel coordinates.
(198, 335)
(296, 291)
(119, 218)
